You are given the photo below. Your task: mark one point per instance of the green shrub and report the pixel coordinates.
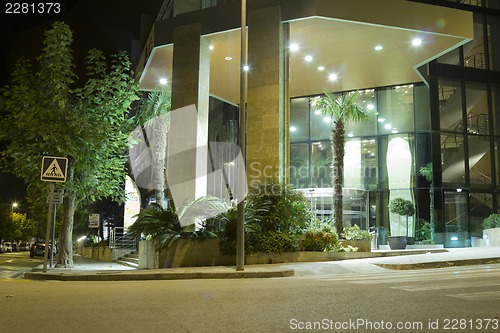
(271, 242)
(423, 230)
(268, 242)
(287, 209)
(492, 221)
(355, 233)
(320, 236)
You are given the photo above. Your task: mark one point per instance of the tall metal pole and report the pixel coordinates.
(47, 230)
(240, 230)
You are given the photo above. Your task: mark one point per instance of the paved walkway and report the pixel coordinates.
(92, 270)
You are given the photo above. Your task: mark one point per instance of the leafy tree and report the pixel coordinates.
(24, 228)
(46, 116)
(341, 110)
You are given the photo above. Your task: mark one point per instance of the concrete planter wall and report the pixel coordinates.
(148, 258)
(492, 236)
(362, 245)
(188, 253)
(102, 253)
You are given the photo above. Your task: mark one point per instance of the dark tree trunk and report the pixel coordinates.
(338, 150)
(66, 238)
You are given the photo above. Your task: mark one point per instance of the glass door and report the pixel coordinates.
(456, 219)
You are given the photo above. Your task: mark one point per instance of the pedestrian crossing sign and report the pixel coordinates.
(54, 169)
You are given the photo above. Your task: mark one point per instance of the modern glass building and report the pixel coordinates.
(428, 71)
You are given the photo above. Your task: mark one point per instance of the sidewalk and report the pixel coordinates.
(92, 270)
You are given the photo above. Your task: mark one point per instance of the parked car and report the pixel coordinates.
(15, 247)
(24, 247)
(38, 249)
(7, 246)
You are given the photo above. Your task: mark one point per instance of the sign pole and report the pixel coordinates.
(47, 230)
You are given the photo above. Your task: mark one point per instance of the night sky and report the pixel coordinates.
(108, 25)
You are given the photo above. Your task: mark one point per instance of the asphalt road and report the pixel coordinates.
(460, 299)
(14, 264)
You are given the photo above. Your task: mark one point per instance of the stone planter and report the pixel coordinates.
(362, 245)
(148, 258)
(88, 252)
(492, 236)
(397, 242)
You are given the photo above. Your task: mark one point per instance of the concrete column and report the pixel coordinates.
(189, 128)
(266, 96)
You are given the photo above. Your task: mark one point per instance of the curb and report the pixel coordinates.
(140, 276)
(441, 264)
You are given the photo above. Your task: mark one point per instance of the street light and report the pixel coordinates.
(14, 206)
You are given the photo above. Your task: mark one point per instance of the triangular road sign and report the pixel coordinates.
(54, 169)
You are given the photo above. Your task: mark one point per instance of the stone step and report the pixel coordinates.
(127, 263)
(130, 260)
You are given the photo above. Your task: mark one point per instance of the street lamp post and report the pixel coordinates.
(240, 229)
(14, 206)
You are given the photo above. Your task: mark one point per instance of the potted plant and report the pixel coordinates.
(491, 231)
(401, 207)
(356, 237)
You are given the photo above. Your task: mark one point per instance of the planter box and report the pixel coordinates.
(492, 236)
(189, 253)
(397, 242)
(362, 245)
(148, 258)
(102, 253)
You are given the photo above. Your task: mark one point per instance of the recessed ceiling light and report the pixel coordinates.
(246, 68)
(293, 128)
(350, 134)
(327, 119)
(163, 81)
(394, 131)
(370, 107)
(318, 112)
(332, 77)
(379, 47)
(294, 47)
(416, 42)
(228, 58)
(381, 120)
(388, 126)
(321, 68)
(308, 58)
(211, 47)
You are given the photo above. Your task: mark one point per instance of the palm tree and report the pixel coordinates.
(426, 172)
(153, 116)
(166, 225)
(341, 110)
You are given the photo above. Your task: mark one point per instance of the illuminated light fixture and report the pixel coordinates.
(293, 128)
(454, 238)
(246, 68)
(318, 112)
(370, 107)
(381, 120)
(228, 58)
(350, 135)
(211, 47)
(308, 58)
(394, 131)
(327, 119)
(416, 42)
(81, 239)
(379, 48)
(294, 47)
(321, 68)
(459, 190)
(388, 126)
(163, 81)
(332, 77)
